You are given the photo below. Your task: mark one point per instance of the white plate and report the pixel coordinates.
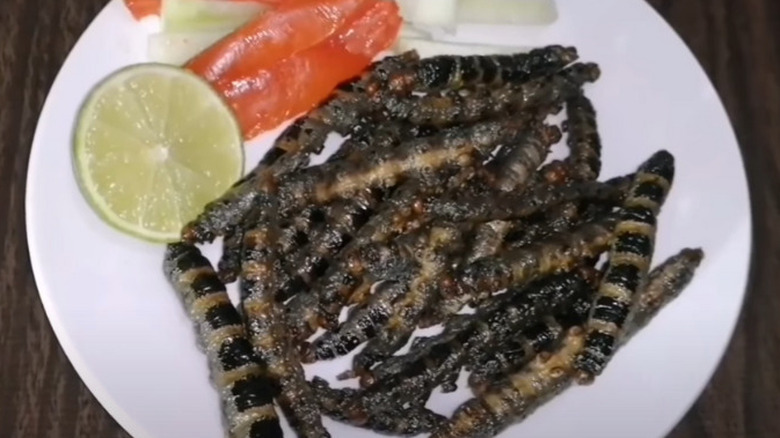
(127, 336)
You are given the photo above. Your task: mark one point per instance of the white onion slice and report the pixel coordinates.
(435, 13)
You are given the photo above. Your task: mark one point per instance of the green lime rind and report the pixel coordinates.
(147, 162)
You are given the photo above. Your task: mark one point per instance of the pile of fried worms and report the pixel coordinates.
(443, 207)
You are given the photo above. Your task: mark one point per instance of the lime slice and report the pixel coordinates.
(153, 145)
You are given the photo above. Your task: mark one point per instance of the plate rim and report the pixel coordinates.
(136, 430)
(748, 265)
(83, 370)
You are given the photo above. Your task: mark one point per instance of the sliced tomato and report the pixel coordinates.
(298, 83)
(143, 8)
(290, 27)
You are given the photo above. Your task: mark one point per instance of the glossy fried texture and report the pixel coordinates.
(518, 395)
(355, 276)
(440, 206)
(556, 220)
(478, 280)
(488, 239)
(515, 163)
(584, 141)
(296, 232)
(230, 262)
(433, 257)
(457, 72)
(383, 418)
(453, 107)
(489, 206)
(247, 395)
(342, 221)
(292, 150)
(361, 325)
(367, 257)
(422, 370)
(268, 334)
(629, 260)
(664, 284)
(517, 350)
(415, 158)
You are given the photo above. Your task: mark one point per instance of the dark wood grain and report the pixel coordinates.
(737, 42)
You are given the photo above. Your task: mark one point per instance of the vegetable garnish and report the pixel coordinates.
(267, 97)
(208, 15)
(153, 145)
(438, 13)
(191, 26)
(143, 8)
(287, 29)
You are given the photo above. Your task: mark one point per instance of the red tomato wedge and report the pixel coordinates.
(143, 8)
(288, 28)
(268, 97)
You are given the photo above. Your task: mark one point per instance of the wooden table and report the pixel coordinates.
(41, 395)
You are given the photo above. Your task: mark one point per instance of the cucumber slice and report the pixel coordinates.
(207, 15)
